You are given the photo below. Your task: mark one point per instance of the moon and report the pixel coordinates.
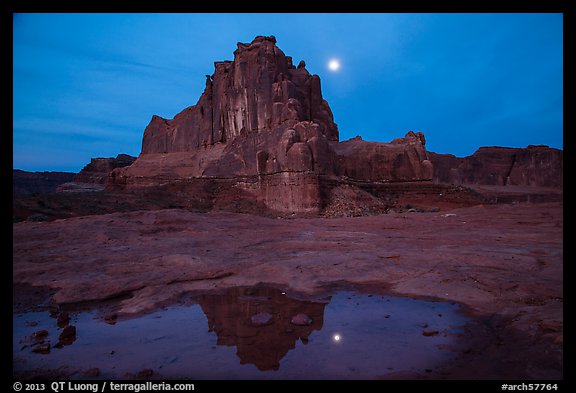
(333, 65)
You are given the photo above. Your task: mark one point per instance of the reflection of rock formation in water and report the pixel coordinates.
(231, 314)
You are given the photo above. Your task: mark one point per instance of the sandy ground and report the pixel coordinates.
(503, 262)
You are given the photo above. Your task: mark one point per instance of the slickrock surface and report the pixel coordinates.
(502, 261)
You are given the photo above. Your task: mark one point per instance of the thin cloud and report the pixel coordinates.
(97, 55)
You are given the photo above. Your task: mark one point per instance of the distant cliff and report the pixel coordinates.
(98, 170)
(29, 183)
(539, 166)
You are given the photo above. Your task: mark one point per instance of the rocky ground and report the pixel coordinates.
(503, 262)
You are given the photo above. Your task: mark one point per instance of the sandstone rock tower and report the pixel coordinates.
(263, 123)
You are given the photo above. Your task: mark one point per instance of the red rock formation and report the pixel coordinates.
(263, 118)
(403, 159)
(98, 170)
(256, 93)
(94, 176)
(540, 166)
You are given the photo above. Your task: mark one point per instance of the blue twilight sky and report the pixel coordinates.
(86, 85)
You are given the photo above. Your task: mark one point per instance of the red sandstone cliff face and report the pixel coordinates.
(540, 166)
(260, 116)
(403, 159)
